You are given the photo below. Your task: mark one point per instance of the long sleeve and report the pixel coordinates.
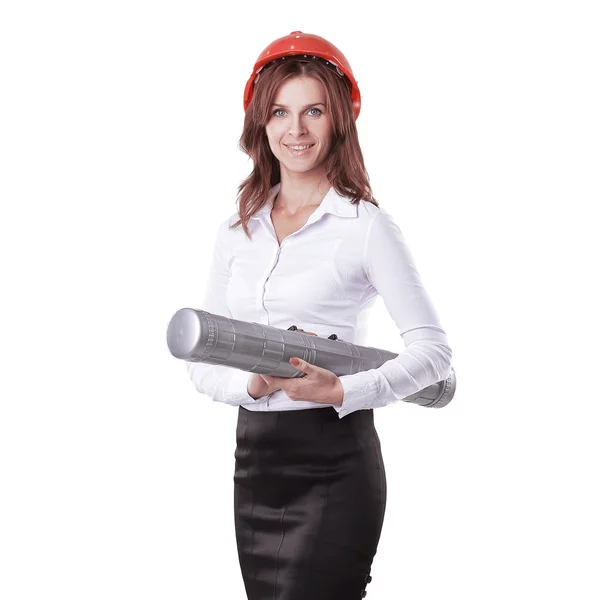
(220, 383)
(427, 357)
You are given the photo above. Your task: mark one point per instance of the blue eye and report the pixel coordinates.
(281, 110)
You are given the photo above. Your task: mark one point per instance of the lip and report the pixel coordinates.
(299, 152)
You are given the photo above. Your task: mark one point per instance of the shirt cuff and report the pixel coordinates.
(360, 390)
(237, 389)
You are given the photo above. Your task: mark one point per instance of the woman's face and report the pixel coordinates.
(299, 117)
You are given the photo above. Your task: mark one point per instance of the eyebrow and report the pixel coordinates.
(304, 108)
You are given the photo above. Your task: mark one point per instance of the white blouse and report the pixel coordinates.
(324, 278)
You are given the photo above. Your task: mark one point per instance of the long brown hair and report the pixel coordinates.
(344, 164)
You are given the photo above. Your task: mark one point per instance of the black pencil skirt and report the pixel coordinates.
(309, 502)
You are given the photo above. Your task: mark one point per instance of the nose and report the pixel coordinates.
(297, 126)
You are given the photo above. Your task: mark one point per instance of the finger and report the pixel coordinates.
(300, 364)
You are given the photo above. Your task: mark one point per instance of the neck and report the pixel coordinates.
(296, 194)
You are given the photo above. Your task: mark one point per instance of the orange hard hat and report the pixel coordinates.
(298, 43)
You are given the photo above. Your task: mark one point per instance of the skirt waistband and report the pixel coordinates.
(304, 424)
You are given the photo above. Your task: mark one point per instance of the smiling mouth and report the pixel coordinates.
(299, 149)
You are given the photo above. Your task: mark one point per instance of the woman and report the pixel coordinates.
(314, 251)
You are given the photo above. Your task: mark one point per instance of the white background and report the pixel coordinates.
(119, 130)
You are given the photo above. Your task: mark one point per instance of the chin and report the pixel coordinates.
(299, 168)
(299, 165)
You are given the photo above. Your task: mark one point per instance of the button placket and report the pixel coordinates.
(263, 289)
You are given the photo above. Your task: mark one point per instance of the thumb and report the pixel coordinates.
(299, 364)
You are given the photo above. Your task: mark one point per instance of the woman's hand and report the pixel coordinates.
(318, 385)
(258, 387)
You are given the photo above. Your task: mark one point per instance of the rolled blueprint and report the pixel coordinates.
(199, 336)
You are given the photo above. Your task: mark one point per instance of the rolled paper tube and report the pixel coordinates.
(200, 336)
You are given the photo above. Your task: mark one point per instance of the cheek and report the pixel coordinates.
(272, 143)
(325, 145)
(275, 136)
(325, 135)
(275, 130)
